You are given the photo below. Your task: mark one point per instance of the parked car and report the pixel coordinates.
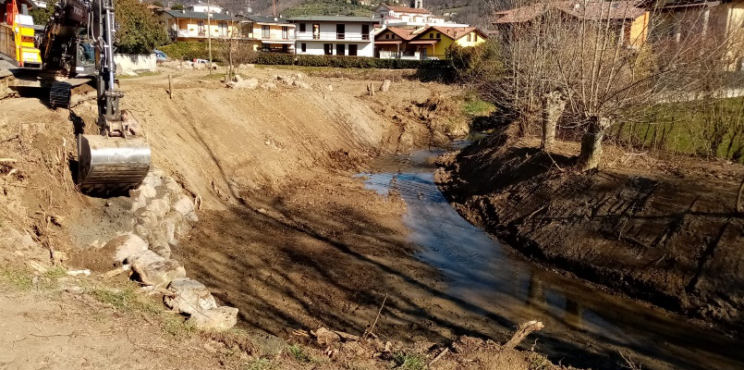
(160, 56)
(201, 61)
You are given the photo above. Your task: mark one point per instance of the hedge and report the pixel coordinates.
(193, 50)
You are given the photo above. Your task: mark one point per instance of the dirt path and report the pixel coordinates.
(662, 232)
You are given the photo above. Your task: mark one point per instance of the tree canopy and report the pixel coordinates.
(140, 31)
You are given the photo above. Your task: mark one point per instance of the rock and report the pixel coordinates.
(172, 186)
(159, 207)
(268, 86)
(299, 76)
(153, 269)
(190, 297)
(237, 78)
(300, 84)
(144, 190)
(185, 207)
(154, 178)
(250, 83)
(218, 319)
(127, 247)
(147, 219)
(141, 230)
(327, 337)
(386, 86)
(159, 243)
(329, 87)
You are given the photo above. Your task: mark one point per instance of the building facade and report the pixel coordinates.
(205, 8)
(183, 25)
(329, 35)
(393, 43)
(433, 42)
(269, 33)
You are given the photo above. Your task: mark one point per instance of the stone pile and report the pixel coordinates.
(162, 213)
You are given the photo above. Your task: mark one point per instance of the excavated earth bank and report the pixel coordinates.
(662, 231)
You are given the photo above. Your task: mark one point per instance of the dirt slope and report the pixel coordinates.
(663, 232)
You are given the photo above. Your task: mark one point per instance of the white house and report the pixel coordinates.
(204, 8)
(333, 35)
(402, 16)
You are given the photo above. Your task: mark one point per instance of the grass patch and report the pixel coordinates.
(476, 107)
(259, 364)
(141, 74)
(405, 361)
(298, 353)
(19, 279)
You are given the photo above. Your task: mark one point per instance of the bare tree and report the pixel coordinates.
(611, 64)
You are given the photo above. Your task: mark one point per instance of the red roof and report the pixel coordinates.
(589, 10)
(454, 33)
(403, 33)
(405, 9)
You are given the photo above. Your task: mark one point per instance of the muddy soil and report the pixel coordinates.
(664, 232)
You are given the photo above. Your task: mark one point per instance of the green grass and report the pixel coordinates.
(475, 107)
(683, 128)
(259, 364)
(18, 279)
(329, 7)
(405, 361)
(298, 353)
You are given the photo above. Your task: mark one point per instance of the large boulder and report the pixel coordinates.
(153, 269)
(185, 207)
(190, 297)
(248, 83)
(217, 319)
(127, 247)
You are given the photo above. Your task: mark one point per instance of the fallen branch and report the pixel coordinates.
(346, 337)
(8, 160)
(522, 332)
(379, 312)
(439, 356)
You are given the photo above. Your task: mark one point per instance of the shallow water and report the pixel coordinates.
(584, 326)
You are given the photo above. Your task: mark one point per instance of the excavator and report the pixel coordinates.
(78, 40)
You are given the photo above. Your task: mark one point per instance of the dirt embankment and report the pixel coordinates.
(285, 233)
(659, 231)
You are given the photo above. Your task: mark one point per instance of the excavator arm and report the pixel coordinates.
(116, 159)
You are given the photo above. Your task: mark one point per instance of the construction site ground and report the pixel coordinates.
(286, 234)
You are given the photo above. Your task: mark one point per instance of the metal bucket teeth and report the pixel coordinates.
(111, 165)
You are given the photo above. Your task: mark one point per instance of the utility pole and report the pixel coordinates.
(209, 34)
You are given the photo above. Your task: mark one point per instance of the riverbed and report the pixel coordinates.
(584, 325)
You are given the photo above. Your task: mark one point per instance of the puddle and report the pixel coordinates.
(580, 321)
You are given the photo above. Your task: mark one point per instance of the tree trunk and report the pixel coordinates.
(591, 143)
(554, 104)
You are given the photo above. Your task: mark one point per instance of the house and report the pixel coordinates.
(205, 8)
(183, 25)
(434, 41)
(628, 21)
(685, 21)
(392, 43)
(402, 16)
(329, 35)
(269, 33)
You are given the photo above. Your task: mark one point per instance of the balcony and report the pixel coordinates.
(330, 36)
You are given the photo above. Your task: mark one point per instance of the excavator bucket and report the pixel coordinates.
(111, 165)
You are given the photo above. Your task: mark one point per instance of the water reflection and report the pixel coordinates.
(480, 271)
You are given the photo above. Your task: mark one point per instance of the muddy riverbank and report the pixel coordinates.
(664, 232)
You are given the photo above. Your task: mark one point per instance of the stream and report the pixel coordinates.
(584, 326)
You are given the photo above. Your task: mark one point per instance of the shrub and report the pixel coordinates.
(141, 31)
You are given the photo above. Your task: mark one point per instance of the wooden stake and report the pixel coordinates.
(522, 332)
(372, 328)
(170, 85)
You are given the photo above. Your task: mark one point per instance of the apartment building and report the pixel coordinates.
(334, 35)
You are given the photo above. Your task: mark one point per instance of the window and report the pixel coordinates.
(365, 32)
(439, 35)
(285, 32)
(387, 36)
(302, 27)
(352, 50)
(340, 32)
(303, 46)
(249, 30)
(470, 37)
(200, 25)
(340, 49)
(265, 32)
(431, 35)
(475, 37)
(316, 31)
(328, 49)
